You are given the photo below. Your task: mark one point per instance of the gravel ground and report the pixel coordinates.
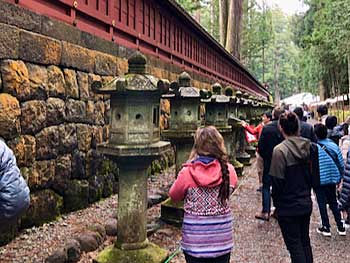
(255, 241)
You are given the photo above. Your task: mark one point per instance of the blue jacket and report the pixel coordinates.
(335, 153)
(344, 199)
(14, 192)
(329, 173)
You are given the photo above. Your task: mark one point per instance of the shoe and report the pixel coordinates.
(341, 231)
(262, 216)
(324, 231)
(346, 224)
(259, 189)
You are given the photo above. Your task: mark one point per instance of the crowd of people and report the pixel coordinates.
(294, 159)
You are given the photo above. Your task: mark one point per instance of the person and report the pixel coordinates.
(291, 188)
(306, 129)
(331, 166)
(334, 132)
(322, 111)
(344, 142)
(14, 192)
(205, 183)
(344, 197)
(269, 138)
(266, 119)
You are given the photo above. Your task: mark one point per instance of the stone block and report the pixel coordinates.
(38, 81)
(90, 112)
(10, 112)
(78, 165)
(39, 49)
(41, 175)
(15, 79)
(99, 113)
(20, 17)
(105, 65)
(24, 148)
(122, 65)
(63, 170)
(55, 111)
(33, 118)
(78, 57)
(93, 42)
(97, 135)
(77, 195)
(75, 110)
(44, 206)
(72, 88)
(9, 42)
(68, 137)
(56, 82)
(47, 143)
(84, 137)
(60, 30)
(83, 82)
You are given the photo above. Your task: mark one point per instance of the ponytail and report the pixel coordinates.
(225, 184)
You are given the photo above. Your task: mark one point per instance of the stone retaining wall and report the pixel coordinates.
(49, 115)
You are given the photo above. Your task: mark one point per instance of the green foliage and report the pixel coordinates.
(323, 35)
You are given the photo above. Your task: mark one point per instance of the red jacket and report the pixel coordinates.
(255, 131)
(199, 174)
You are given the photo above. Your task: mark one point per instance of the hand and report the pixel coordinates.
(244, 124)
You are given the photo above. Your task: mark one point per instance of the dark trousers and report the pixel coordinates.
(326, 194)
(295, 232)
(222, 259)
(266, 194)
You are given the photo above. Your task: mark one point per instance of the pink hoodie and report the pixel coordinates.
(199, 174)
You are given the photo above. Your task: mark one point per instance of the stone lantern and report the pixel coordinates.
(216, 114)
(242, 155)
(133, 144)
(185, 119)
(234, 122)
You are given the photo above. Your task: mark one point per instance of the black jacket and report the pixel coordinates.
(269, 138)
(291, 177)
(307, 131)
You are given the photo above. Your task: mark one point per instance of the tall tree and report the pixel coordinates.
(223, 18)
(234, 27)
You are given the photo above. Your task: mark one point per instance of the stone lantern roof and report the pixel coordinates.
(136, 80)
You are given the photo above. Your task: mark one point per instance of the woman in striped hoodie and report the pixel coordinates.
(205, 183)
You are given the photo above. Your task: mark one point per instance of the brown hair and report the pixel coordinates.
(209, 142)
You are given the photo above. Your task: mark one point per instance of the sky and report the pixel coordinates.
(288, 6)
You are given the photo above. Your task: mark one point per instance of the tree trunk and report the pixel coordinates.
(212, 17)
(234, 27)
(276, 78)
(322, 91)
(223, 16)
(349, 73)
(197, 12)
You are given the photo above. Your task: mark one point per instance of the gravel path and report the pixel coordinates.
(255, 241)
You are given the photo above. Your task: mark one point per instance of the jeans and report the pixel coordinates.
(295, 232)
(222, 259)
(326, 194)
(266, 194)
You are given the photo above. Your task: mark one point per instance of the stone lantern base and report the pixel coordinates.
(238, 167)
(172, 212)
(150, 254)
(250, 150)
(244, 158)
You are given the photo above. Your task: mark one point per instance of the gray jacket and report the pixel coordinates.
(14, 192)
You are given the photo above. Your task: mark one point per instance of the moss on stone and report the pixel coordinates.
(174, 204)
(150, 254)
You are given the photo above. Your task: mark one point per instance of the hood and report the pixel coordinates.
(204, 173)
(299, 147)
